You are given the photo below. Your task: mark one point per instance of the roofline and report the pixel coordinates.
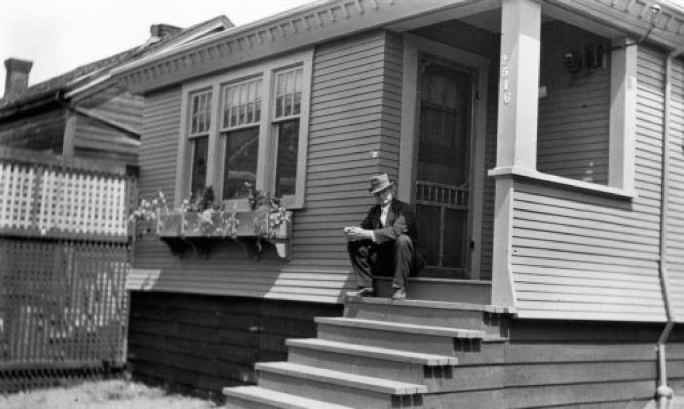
(325, 20)
(227, 33)
(67, 93)
(214, 23)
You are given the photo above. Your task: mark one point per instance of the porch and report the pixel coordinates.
(543, 105)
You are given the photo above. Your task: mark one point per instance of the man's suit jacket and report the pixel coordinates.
(400, 220)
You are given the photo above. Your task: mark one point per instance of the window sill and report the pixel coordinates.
(587, 187)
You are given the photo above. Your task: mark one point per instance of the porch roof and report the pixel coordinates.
(329, 19)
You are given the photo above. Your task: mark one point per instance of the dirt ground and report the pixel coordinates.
(116, 394)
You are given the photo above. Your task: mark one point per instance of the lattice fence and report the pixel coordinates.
(64, 256)
(49, 201)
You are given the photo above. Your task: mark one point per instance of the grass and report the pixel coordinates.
(112, 394)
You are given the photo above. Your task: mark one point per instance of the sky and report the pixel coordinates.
(59, 35)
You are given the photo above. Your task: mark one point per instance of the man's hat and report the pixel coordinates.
(378, 183)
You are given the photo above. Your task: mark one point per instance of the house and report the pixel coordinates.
(541, 144)
(83, 113)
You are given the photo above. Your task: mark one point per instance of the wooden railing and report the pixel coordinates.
(57, 200)
(438, 194)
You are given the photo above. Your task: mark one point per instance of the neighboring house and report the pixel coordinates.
(84, 113)
(541, 143)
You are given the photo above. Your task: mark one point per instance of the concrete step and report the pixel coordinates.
(403, 366)
(256, 397)
(401, 336)
(336, 386)
(489, 318)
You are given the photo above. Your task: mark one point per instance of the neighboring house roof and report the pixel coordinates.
(95, 72)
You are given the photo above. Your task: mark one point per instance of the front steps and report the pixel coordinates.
(387, 354)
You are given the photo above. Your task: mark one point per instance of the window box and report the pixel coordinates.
(192, 228)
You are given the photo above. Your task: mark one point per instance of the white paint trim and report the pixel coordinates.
(410, 106)
(518, 112)
(265, 177)
(182, 157)
(623, 101)
(503, 289)
(563, 182)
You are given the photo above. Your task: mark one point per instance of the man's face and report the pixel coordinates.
(384, 196)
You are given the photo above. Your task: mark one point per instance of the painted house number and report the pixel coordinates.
(505, 77)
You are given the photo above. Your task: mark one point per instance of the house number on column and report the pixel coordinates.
(505, 74)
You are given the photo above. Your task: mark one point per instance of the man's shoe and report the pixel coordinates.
(362, 292)
(399, 294)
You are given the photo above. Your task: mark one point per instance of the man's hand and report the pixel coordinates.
(355, 233)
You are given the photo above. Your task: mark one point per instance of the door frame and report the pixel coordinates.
(414, 46)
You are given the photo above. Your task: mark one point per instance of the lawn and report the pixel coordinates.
(113, 394)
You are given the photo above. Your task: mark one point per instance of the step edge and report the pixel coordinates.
(285, 401)
(401, 388)
(401, 327)
(373, 352)
(439, 305)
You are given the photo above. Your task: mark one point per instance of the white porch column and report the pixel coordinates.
(517, 128)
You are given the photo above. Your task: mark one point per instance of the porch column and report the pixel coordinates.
(517, 128)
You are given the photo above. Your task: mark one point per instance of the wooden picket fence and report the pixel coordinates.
(64, 255)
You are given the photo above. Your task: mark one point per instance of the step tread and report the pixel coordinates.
(443, 305)
(278, 399)
(401, 327)
(374, 352)
(341, 378)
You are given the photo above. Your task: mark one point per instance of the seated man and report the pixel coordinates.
(384, 243)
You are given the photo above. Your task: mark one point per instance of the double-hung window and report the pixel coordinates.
(247, 127)
(198, 138)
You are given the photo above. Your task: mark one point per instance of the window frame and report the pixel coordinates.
(267, 156)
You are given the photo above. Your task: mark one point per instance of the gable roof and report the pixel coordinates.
(96, 71)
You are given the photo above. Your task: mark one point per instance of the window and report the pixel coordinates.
(198, 136)
(247, 126)
(240, 136)
(288, 106)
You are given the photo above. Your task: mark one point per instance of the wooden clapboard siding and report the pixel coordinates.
(598, 365)
(41, 131)
(580, 256)
(355, 111)
(574, 116)
(355, 103)
(675, 205)
(200, 344)
(125, 109)
(94, 137)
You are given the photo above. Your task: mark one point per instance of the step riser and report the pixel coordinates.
(477, 320)
(430, 344)
(326, 392)
(359, 365)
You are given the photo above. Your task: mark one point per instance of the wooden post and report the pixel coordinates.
(517, 128)
(68, 140)
(623, 96)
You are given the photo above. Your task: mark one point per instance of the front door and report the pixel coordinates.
(442, 187)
